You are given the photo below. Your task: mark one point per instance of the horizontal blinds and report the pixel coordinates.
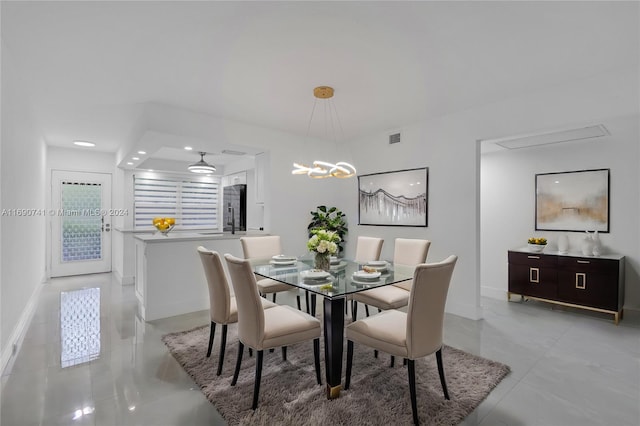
(192, 202)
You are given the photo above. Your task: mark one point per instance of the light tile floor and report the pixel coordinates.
(568, 367)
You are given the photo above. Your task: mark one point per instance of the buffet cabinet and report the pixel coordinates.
(594, 283)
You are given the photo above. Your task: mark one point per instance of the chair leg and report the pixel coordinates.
(366, 309)
(404, 362)
(238, 362)
(306, 301)
(284, 353)
(313, 305)
(393, 361)
(354, 310)
(223, 346)
(256, 386)
(298, 300)
(375, 353)
(250, 352)
(347, 379)
(274, 297)
(316, 358)
(212, 333)
(443, 382)
(412, 391)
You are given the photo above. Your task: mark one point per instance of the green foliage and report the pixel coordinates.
(330, 219)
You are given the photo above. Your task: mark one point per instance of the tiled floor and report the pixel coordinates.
(568, 368)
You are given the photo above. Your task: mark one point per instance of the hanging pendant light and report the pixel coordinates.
(323, 169)
(201, 166)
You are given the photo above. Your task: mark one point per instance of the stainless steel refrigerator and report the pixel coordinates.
(234, 208)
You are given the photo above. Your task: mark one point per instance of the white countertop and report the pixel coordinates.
(611, 256)
(190, 236)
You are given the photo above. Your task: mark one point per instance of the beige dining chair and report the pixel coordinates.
(262, 329)
(411, 335)
(222, 303)
(407, 254)
(260, 250)
(367, 248)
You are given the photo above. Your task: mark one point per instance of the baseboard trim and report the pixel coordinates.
(20, 329)
(124, 280)
(466, 311)
(493, 292)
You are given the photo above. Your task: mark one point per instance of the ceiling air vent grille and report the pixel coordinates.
(395, 138)
(548, 138)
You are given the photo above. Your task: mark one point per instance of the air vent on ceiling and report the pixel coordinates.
(524, 141)
(232, 152)
(395, 138)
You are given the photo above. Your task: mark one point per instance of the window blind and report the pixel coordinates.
(193, 202)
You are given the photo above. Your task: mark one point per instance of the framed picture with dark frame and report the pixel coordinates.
(573, 201)
(397, 198)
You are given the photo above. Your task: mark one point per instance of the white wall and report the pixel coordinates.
(82, 160)
(508, 200)
(23, 166)
(448, 146)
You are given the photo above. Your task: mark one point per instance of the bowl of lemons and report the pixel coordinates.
(164, 224)
(536, 244)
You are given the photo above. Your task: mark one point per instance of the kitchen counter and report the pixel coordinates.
(175, 236)
(169, 277)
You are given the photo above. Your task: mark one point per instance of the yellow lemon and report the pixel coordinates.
(171, 220)
(157, 220)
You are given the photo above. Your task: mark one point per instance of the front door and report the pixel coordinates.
(81, 223)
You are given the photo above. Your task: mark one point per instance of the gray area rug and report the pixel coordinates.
(290, 395)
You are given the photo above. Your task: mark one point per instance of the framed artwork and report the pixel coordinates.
(396, 198)
(573, 201)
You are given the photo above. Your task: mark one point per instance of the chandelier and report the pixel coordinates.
(323, 169)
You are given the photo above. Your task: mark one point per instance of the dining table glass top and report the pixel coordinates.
(344, 277)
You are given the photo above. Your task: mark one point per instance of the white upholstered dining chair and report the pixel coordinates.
(259, 250)
(406, 255)
(368, 248)
(222, 303)
(261, 328)
(411, 335)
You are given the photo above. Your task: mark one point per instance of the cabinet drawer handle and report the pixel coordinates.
(533, 257)
(581, 280)
(534, 275)
(583, 261)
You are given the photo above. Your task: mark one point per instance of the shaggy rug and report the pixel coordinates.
(289, 394)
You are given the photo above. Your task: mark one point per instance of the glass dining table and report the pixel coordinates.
(344, 278)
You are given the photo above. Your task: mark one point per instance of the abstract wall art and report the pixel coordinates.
(573, 201)
(397, 198)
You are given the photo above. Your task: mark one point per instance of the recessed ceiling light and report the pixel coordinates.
(129, 163)
(84, 143)
(135, 158)
(188, 148)
(142, 152)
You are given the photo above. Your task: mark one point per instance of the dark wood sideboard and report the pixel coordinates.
(587, 282)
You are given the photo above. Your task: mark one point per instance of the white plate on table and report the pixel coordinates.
(314, 274)
(364, 283)
(366, 276)
(334, 260)
(377, 263)
(339, 265)
(284, 258)
(283, 262)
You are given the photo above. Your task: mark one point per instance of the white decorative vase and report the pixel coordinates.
(587, 245)
(563, 244)
(597, 245)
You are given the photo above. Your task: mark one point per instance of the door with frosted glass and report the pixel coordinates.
(81, 223)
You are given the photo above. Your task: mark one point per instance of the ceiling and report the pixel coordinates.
(89, 66)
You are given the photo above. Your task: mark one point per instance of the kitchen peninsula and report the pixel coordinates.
(169, 278)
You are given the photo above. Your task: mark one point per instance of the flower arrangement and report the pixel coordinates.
(323, 241)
